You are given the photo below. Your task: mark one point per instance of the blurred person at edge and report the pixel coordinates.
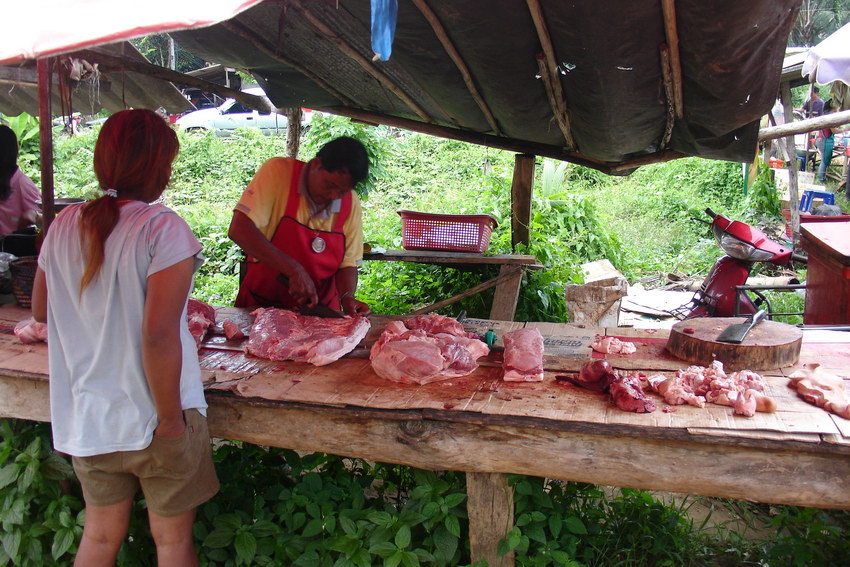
(825, 143)
(814, 106)
(18, 196)
(126, 396)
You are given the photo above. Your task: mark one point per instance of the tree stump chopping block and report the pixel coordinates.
(768, 345)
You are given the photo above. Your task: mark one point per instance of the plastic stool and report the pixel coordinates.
(810, 195)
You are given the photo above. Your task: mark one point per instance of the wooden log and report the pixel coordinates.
(490, 506)
(768, 345)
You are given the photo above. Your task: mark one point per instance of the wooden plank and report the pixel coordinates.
(490, 507)
(717, 469)
(22, 398)
(507, 293)
(462, 258)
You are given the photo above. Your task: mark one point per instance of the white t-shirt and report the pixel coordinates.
(99, 398)
(22, 198)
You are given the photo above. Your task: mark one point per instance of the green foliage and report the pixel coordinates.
(25, 128)
(326, 127)
(762, 200)
(155, 49)
(41, 525)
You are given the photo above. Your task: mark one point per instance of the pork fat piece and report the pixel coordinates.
(607, 345)
(279, 334)
(425, 349)
(523, 359)
(824, 390)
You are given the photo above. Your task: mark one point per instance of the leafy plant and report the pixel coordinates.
(41, 523)
(25, 128)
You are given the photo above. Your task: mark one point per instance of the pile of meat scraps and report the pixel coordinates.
(822, 389)
(523, 356)
(608, 345)
(280, 334)
(626, 390)
(696, 385)
(425, 349)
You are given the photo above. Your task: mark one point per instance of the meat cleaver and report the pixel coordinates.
(737, 333)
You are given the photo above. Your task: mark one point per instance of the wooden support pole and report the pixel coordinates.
(490, 506)
(507, 294)
(668, 7)
(793, 193)
(522, 189)
(45, 139)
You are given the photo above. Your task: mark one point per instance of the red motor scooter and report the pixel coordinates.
(744, 245)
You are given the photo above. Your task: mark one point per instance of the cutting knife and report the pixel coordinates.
(737, 333)
(318, 310)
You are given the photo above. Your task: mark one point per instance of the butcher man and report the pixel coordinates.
(300, 224)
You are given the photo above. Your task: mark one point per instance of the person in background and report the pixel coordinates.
(814, 106)
(301, 226)
(126, 397)
(825, 143)
(18, 196)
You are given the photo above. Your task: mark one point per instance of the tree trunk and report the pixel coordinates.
(293, 131)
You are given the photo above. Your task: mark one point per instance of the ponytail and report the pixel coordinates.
(132, 161)
(97, 220)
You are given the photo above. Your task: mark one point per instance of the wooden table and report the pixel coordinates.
(507, 283)
(479, 424)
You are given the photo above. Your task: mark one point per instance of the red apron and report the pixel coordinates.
(261, 286)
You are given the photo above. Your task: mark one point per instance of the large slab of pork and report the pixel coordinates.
(523, 357)
(425, 349)
(280, 334)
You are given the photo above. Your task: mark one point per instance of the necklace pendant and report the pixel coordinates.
(318, 245)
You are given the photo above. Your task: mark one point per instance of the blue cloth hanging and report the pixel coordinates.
(384, 13)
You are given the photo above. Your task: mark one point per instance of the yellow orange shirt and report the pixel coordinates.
(264, 202)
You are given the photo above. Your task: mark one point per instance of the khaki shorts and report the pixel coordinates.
(176, 475)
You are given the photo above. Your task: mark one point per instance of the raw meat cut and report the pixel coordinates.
(626, 390)
(31, 331)
(743, 391)
(523, 357)
(822, 389)
(201, 317)
(232, 330)
(628, 394)
(607, 345)
(279, 334)
(595, 375)
(425, 349)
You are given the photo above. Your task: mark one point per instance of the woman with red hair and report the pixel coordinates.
(125, 385)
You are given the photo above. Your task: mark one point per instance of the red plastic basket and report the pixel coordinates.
(454, 233)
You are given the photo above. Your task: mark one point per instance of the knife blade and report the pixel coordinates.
(737, 333)
(318, 310)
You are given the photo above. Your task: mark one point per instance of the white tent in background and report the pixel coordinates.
(829, 60)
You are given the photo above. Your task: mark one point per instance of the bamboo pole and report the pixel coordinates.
(455, 56)
(45, 139)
